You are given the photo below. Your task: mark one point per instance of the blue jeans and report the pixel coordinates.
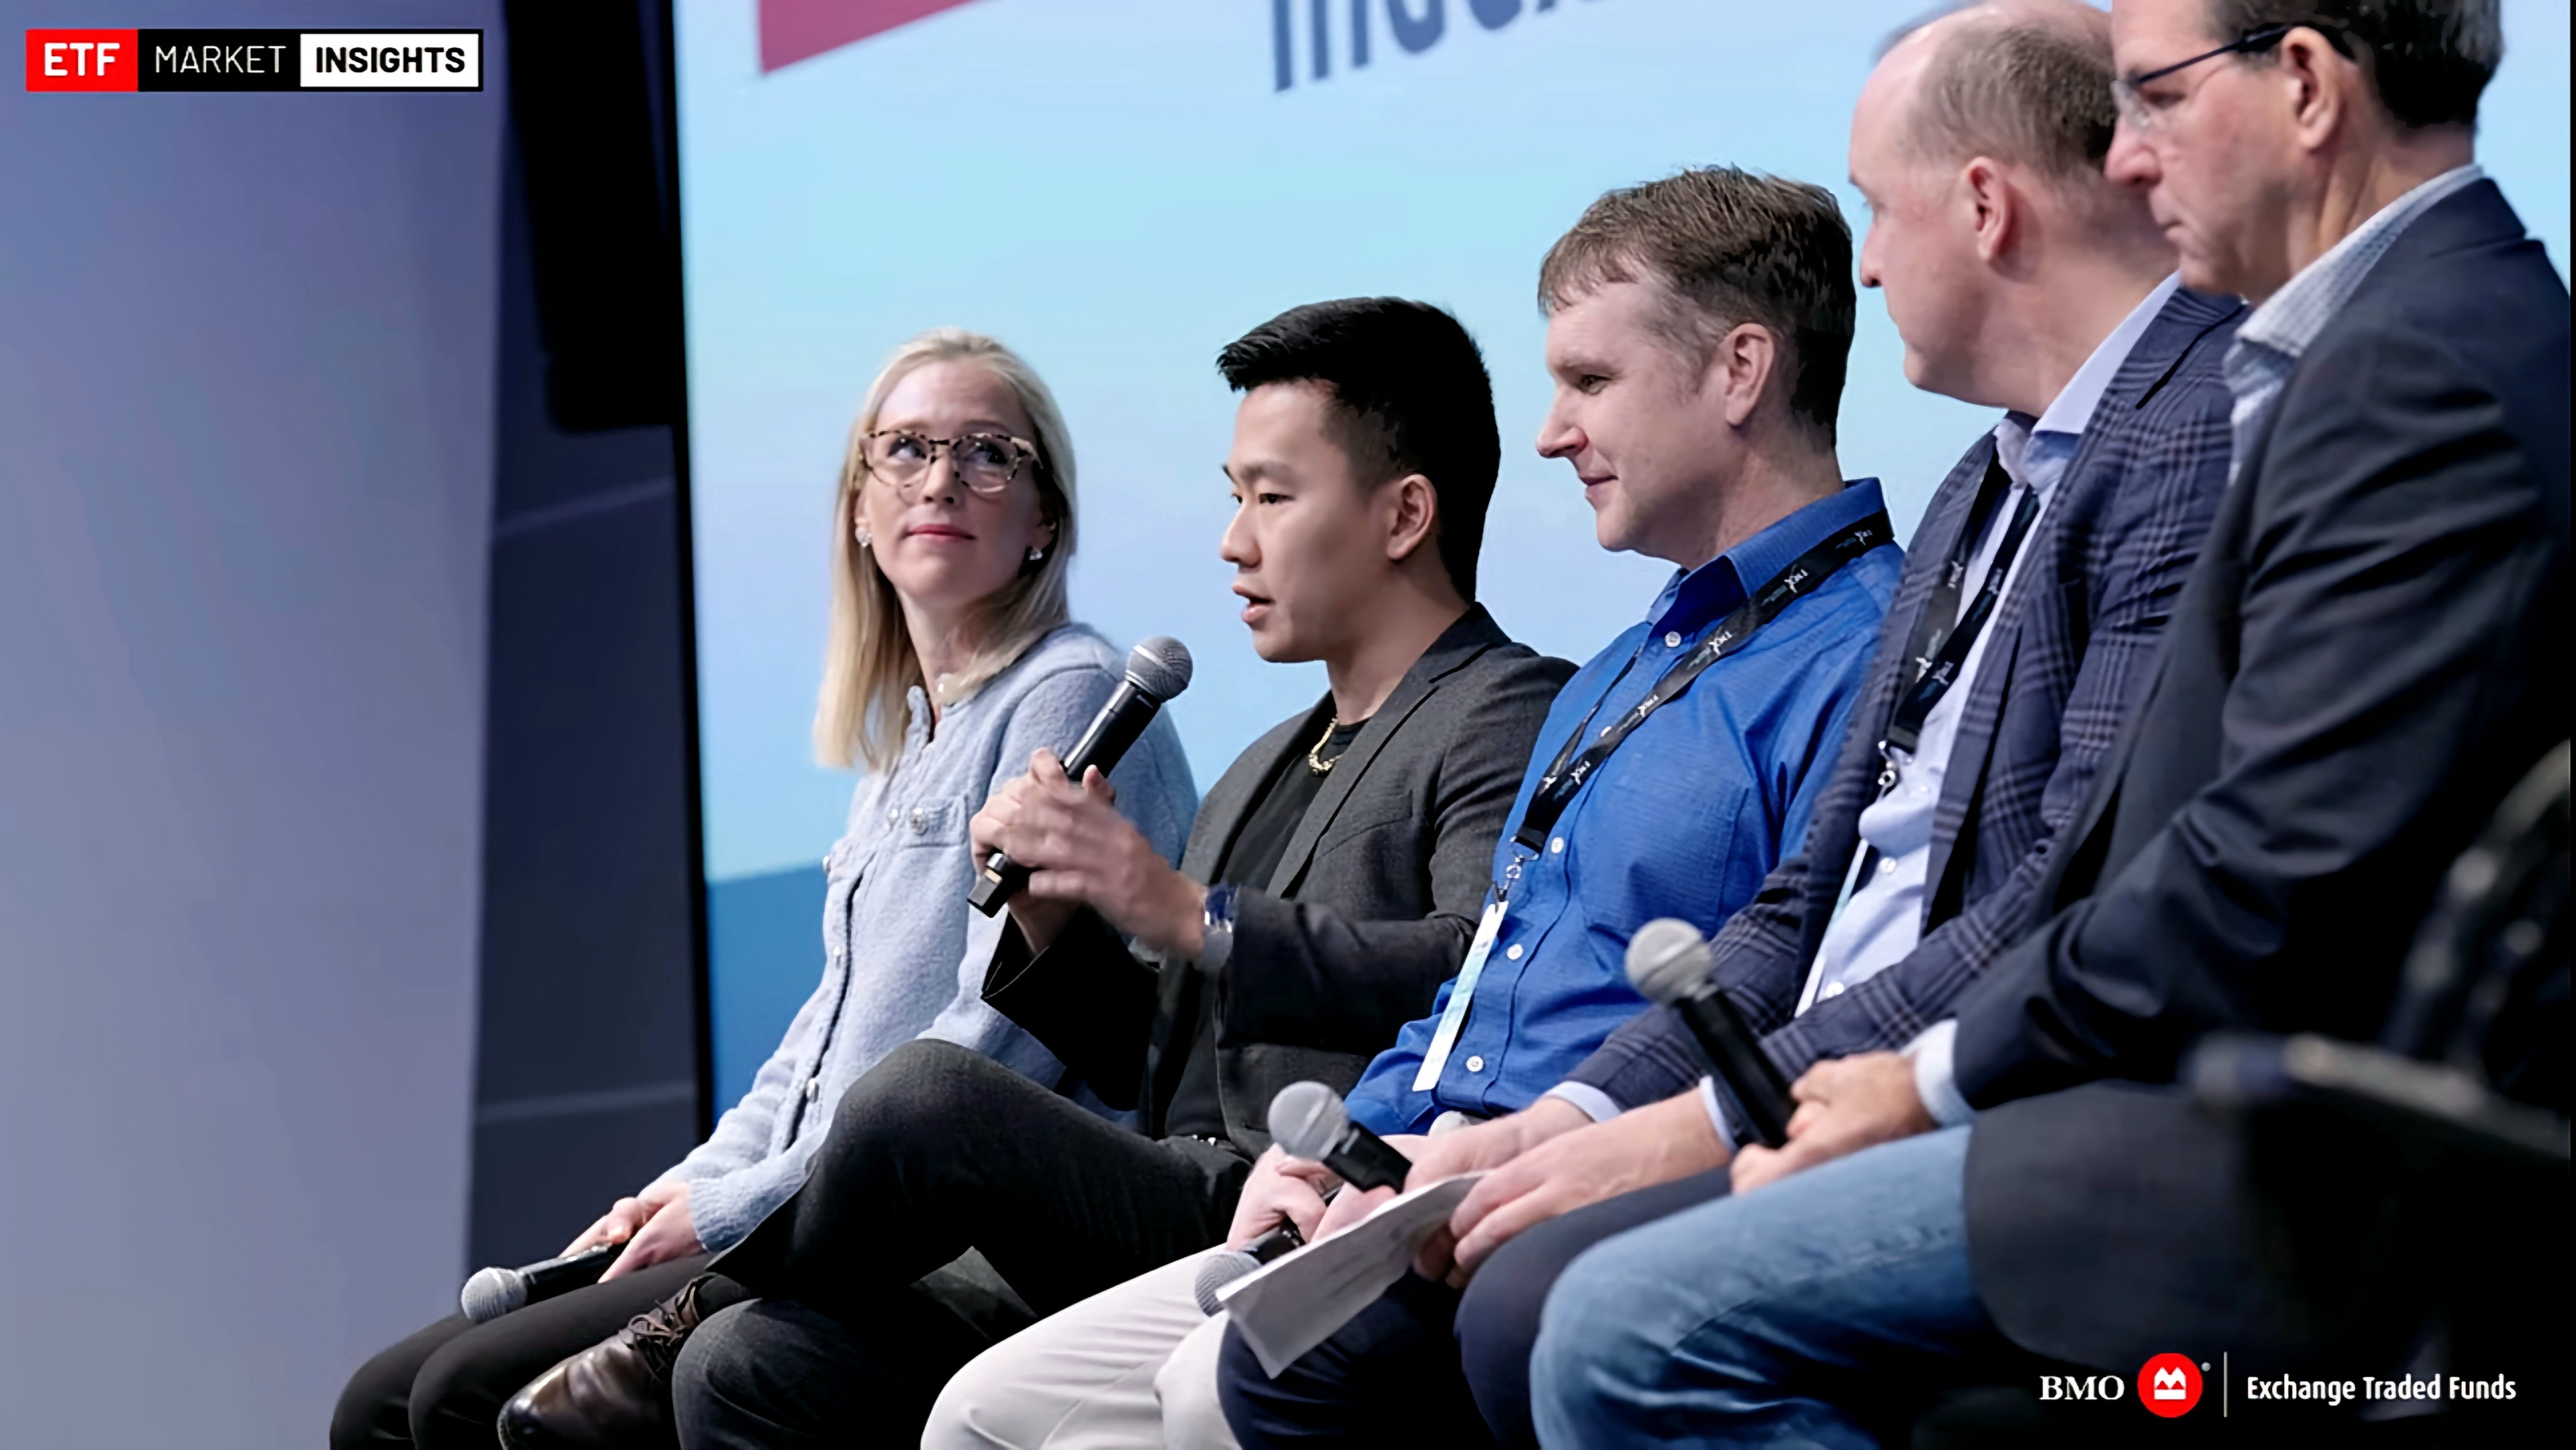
(1821, 1310)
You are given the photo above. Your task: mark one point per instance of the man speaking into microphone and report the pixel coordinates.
(1330, 883)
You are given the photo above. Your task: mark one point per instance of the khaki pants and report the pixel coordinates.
(1131, 1366)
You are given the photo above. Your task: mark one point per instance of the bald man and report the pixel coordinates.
(2369, 654)
(2034, 594)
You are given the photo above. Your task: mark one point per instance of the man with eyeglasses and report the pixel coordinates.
(2024, 628)
(2357, 670)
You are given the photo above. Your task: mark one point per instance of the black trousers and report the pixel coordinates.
(443, 1388)
(935, 1151)
(1431, 1365)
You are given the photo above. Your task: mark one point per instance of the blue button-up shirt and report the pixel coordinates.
(1684, 820)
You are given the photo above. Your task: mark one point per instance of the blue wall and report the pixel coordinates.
(766, 930)
(246, 382)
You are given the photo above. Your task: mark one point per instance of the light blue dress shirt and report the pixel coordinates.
(1684, 820)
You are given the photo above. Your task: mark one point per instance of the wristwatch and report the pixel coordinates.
(1216, 923)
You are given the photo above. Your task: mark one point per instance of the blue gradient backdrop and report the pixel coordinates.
(1117, 189)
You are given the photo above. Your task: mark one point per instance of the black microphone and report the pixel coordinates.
(1157, 670)
(1309, 1122)
(494, 1292)
(1668, 964)
(1222, 1269)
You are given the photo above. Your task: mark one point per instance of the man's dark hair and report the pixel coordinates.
(1735, 247)
(1409, 395)
(2429, 60)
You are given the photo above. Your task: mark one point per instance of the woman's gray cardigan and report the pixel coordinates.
(903, 955)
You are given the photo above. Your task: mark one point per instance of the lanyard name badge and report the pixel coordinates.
(1942, 639)
(1578, 761)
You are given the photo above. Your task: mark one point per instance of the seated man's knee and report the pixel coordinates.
(1591, 1340)
(921, 1083)
(1185, 1388)
(1497, 1327)
(731, 1362)
(976, 1409)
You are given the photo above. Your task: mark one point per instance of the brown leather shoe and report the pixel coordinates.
(615, 1393)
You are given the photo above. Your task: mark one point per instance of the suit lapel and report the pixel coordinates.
(1230, 802)
(1473, 634)
(2183, 321)
(1833, 839)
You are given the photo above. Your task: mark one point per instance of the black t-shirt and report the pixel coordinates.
(1249, 861)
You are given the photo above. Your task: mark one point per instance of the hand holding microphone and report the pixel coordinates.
(1157, 670)
(1309, 1121)
(1669, 965)
(496, 1291)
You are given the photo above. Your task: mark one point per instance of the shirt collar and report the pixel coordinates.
(2291, 318)
(2036, 451)
(1694, 598)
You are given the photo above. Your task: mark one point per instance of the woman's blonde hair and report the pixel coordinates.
(868, 663)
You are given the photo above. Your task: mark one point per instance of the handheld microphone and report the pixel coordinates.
(1157, 670)
(496, 1291)
(1222, 1269)
(1310, 1122)
(1668, 964)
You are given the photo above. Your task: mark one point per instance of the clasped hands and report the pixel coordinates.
(654, 1225)
(1081, 851)
(1550, 1159)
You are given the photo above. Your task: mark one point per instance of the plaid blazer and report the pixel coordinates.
(2073, 650)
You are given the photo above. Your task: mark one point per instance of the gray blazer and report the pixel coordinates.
(1370, 910)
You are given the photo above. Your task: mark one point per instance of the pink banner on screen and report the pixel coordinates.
(792, 30)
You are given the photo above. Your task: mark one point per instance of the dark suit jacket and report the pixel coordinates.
(2068, 660)
(1371, 908)
(2365, 660)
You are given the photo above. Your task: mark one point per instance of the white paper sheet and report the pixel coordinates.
(1296, 1301)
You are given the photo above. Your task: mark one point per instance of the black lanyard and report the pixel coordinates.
(1565, 777)
(1937, 665)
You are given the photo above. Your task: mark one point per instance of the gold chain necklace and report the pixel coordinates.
(1315, 760)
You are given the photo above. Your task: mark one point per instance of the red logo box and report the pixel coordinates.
(82, 60)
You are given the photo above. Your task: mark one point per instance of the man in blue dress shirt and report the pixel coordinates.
(1697, 332)
(2024, 629)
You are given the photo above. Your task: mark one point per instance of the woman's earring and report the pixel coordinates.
(866, 538)
(1036, 554)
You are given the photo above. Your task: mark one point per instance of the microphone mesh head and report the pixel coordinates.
(1160, 666)
(492, 1293)
(1305, 1119)
(1219, 1271)
(1667, 960)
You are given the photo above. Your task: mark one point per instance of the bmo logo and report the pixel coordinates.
(2108, 1387)
(2169, 1385)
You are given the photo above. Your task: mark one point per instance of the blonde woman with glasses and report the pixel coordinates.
(952, 659)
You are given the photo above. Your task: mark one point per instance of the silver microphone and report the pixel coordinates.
(496, 1291)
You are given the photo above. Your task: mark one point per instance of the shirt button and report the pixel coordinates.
(1475, 1064)
(1886, 864)
(1672, 639)
(1513, 952)
(813, 1087)
(1556, 847)
(1833, 989)
(919, 822)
